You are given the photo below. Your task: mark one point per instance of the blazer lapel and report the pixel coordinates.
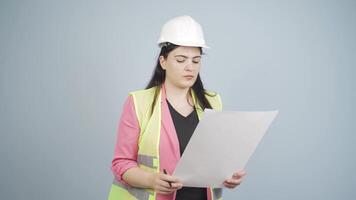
(168, 125)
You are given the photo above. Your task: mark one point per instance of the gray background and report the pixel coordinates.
(67, 66)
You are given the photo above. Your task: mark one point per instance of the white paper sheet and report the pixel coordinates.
(221, 144)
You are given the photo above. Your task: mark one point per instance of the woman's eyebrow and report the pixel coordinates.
(186, 56)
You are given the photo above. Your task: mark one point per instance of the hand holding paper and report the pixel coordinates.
(221, 144)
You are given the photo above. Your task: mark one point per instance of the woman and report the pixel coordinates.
(157, 123)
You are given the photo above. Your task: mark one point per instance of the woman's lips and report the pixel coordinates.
(189, 76)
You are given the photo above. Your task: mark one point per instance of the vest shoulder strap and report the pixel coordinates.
(214, 100)
(143, 103)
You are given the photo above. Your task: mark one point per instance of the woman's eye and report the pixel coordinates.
(196, 61)
(180, 61)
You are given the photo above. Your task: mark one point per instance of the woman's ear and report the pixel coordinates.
(162, 62)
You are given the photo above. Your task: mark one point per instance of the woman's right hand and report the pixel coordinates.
(160, 183)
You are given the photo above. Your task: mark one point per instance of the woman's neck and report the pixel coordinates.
(176, 94)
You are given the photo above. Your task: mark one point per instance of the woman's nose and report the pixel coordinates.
(189, 66)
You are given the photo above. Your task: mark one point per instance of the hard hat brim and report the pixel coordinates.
(160, 44)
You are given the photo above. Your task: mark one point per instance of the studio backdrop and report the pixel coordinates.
(66, 68)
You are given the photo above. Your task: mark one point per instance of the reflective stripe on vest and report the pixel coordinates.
(148, 151)
(148, 161)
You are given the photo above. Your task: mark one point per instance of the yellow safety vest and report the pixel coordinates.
(148, 151)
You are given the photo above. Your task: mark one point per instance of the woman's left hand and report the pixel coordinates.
(236, 179)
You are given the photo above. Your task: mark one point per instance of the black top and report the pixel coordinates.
(185, 127)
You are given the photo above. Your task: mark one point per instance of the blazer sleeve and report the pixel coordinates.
(125, 155)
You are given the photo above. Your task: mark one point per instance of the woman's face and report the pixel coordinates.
(182, 66)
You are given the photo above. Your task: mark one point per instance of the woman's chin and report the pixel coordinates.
(187, 84)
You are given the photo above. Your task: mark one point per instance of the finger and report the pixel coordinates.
(234, 181)
(231, 184)
(236, 178)
(169, 178)
(177, 186)
(240, 173)
(164, 189)
(227, 185)
(163, 184)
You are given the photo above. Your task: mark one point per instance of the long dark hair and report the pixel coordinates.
(159, 76)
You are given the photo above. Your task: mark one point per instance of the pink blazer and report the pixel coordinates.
(125, 156)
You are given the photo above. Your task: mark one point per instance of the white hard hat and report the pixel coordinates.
(182, 31)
